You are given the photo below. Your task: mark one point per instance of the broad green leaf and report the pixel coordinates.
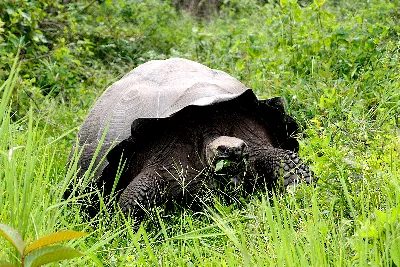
(240, 64)
(368, 230)
(219, 165)
(13, 236)
(255, 51)
(387, 217)
(7, 264)
(395, 251)
(297, 12)
(49, 254)
(381, 217)
(53, 238)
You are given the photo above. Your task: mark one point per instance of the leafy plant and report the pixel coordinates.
(42, 250)
(18, 192)
(381, 225)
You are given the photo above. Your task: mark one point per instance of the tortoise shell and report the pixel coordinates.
(161, 89)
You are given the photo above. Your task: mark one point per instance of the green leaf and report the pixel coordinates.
(221, 164)
(387, 217)
(368, 230)
(13, 237)
(255, 51)
(49, 254)
(240, 64)
(53, 238)
(297, 12)
(319, 3)
(395, 251)
(283, 3)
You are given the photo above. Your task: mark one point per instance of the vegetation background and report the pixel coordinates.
(335, 62)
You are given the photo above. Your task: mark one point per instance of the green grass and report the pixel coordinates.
(337, 67)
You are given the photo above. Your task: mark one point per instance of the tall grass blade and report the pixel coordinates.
(395, 251)
(8, 86)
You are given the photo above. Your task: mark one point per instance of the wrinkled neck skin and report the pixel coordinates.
(208, 138)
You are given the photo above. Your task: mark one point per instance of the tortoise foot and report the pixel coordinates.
(293, 170)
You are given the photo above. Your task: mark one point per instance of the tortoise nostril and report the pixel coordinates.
(223, 151)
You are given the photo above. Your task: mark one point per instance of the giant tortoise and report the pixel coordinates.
(173, 123)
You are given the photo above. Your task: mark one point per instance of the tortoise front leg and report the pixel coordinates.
(143, 192)
(274, 163)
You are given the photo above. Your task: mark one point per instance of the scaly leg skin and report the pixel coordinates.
(279, 163)
(292, 169)
(144, 192)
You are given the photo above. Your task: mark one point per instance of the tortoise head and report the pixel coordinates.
(225, 148)
(230, 150)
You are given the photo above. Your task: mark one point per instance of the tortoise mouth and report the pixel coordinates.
(228, 167)
(228, 175)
